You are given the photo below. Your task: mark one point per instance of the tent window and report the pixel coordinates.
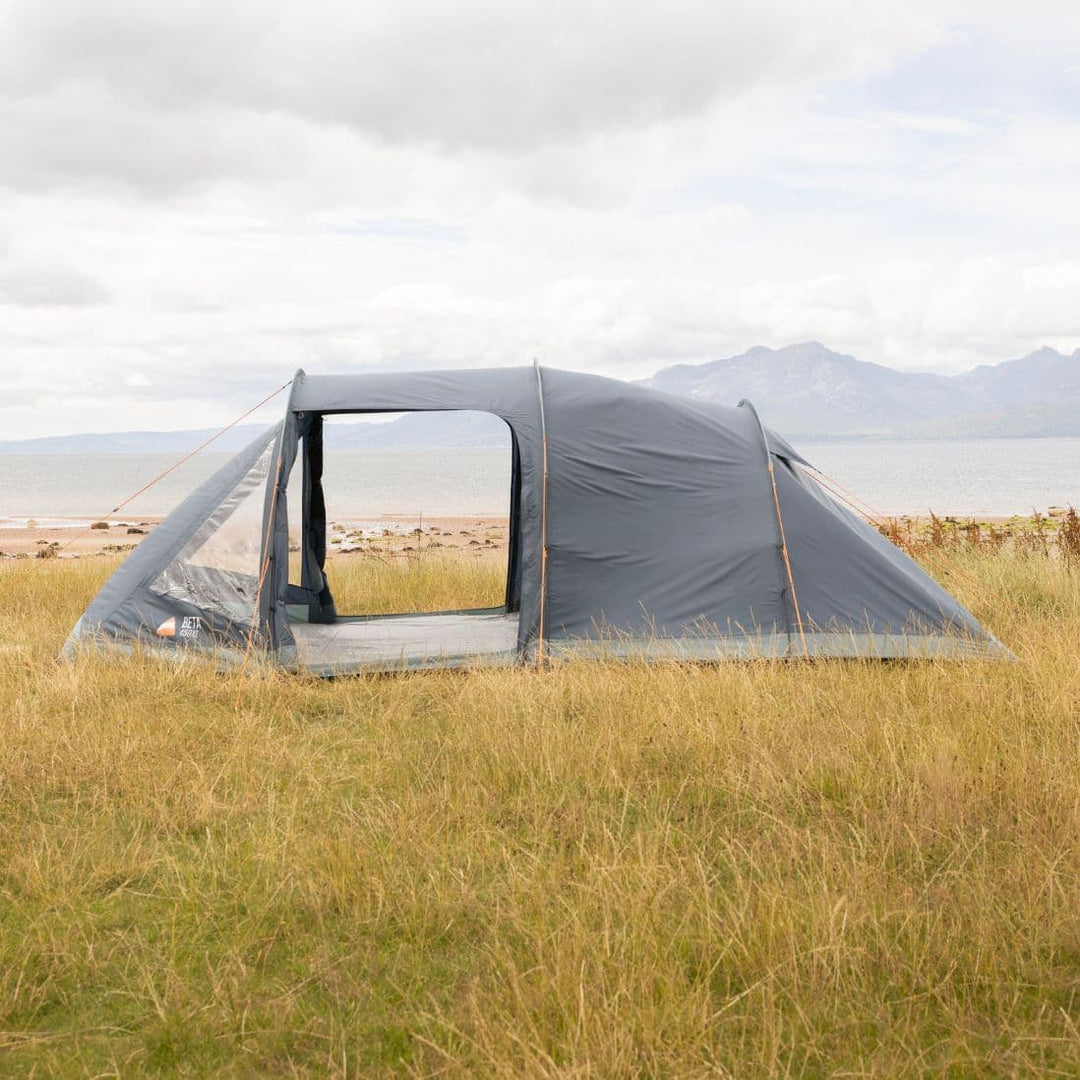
(218, 568)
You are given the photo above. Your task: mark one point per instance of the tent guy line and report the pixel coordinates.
(176, 464)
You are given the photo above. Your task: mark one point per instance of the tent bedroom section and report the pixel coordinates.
(642, 525)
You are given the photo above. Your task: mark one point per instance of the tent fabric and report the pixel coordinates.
(660, 526)
(133, 604)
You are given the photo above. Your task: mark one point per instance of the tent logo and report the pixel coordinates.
(189, 627)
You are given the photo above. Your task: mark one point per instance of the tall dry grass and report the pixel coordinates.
(849, 868)
(380, 584)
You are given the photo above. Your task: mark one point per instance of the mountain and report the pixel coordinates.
(1038, 394)
(419, 431)
(409, 431)
(809, 391)
(135, 442)
(805, 391)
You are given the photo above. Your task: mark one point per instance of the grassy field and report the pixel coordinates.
(379, 585)
(852, 868)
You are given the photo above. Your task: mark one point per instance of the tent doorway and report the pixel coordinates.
(419, 515)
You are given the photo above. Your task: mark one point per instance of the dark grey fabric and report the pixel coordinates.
(657, 518)
(662, 529)
(848, 576)
(273, 597)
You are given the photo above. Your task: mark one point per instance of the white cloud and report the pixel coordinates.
(38, 282)
(198, 200)
(478, 74)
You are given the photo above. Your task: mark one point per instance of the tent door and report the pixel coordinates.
(314, 591)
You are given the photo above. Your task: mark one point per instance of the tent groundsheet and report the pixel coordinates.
(405, 641)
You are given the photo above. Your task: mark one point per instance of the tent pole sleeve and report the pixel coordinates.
(543, 515)
(785, 558)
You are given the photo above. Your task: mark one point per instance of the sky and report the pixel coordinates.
(196, 199)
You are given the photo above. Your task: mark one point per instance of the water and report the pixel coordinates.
(987, 477)
(977, 476)
(365, 483)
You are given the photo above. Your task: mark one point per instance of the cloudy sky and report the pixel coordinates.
(197, 198)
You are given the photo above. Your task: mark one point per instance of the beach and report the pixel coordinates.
(399, 535)
(477, 536)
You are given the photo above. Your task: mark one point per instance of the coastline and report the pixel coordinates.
(395, 535)
(477, 535)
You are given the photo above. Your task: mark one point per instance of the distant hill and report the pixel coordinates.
(411, 431)
(420, 431)
(134, 442)
(809, 391)
(804, 391)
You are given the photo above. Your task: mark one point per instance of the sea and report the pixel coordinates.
(985, 477)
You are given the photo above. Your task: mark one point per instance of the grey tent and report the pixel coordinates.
(642, 524)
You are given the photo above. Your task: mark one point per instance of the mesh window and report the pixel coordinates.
(218, 568)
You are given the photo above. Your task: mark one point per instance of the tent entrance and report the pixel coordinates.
(410, 524)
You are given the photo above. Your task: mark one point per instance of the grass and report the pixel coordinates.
(377, 584)
(853, 868)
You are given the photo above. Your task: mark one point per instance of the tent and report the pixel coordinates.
(643, 525)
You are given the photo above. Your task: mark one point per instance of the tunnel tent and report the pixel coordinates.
(642, 525)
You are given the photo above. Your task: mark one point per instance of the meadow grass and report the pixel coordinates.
(749, 869)
(377, 584)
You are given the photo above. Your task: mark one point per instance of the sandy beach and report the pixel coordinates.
(68, 538)
(394, 535)
(388, 535)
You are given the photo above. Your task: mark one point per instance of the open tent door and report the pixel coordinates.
(340, 619)
(309, 599)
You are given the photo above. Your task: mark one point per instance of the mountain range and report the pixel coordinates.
(412, 431)
(809, 391)
(804, 391)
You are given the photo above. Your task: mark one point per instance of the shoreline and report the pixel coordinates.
(386, 534)
(404, 535)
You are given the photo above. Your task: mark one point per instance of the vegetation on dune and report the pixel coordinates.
(1039, 534)
(605, 869)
